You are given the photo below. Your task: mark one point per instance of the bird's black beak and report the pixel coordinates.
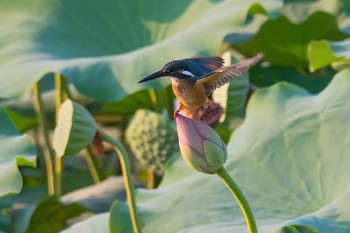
(155, 75)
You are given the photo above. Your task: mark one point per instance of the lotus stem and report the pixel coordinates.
(48, 152)
(58, 172)
(129, 187)
(153, 96)
(92, 164)
(242, 201)
(150, 178)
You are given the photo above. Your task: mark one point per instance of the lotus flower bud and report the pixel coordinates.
(200, 145)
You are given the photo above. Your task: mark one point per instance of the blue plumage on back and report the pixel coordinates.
(197, 66)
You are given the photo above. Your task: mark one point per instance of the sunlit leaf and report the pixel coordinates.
(324, 53)
(16, 150)
(105, 47)
(298, 11)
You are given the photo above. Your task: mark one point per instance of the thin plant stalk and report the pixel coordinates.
(242, 201)
(58, 172)
(48, 151)
(59, 97)
(129, 187)
(61, 94)
(169, 95)
(153, 96)
(92, 164)
(61, 90)
(150, 178)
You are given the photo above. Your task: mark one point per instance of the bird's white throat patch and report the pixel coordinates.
(186, 72)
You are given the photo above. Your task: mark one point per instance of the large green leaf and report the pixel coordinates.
(290, 157)
(267, 76)
(105, 47)
(289, 46)
(297, 11)
(16, 150)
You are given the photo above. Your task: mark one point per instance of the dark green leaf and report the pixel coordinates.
(267, 76)
(296, 229)
(51, 215)
(288, 45)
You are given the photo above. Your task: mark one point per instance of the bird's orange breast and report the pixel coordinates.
(191, 96)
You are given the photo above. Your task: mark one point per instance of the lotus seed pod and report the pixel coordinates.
(152, 138)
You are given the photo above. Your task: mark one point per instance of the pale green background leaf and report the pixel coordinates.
(297, 11)
(105, 47)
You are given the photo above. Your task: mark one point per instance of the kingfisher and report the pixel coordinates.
(194, 79)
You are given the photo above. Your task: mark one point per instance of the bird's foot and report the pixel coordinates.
(176, 113)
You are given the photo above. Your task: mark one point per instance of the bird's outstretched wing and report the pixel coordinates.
(224, 74)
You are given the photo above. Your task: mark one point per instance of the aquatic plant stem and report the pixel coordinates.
(150, 178)
(58, 172)
(48, 152)
(242, 201)
(92, 164)
(60, 96)
(129, 187)
(153, 96)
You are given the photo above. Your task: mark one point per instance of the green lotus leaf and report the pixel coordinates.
(288, 47)
(76, 128)
(128, 105)
(313, 83)
(324, 53)
(97, 224)
(16, 150)
(298, 11)
(50, 215)
(105, 47)
(290, 157)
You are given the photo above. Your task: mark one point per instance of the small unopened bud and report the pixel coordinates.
(200, 145)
